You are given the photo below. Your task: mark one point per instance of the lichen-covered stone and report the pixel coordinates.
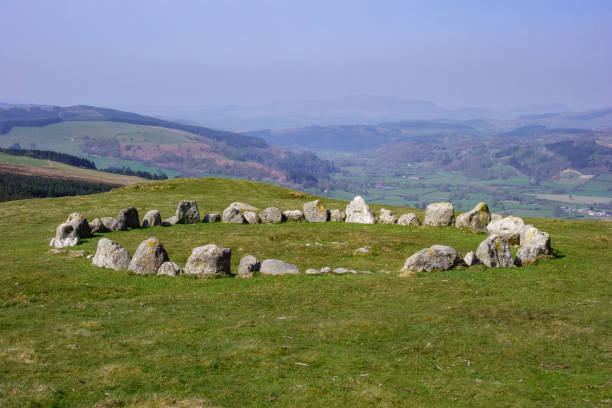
(534, 245)
(315, 211)
(337, 216)
(151, 219)
(476, 220)
(387, 217)
(439, 214)
(170, 269)
(437, 257)
(129, 217)
(248, 266)
(271, 215)
(358, 211)
(294, 215)
(495, 252)
(149, 256)
(408, 219)
(187, 212)
(209, 261)
(111, 255)
(232, 215)
(508, 228)
(251, 217)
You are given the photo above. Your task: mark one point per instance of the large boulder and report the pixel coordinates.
(149, 256)
(251, 217)
(271, 215)
(96, 226)
(187, 212)
(232, 215)
(294, 215)
(337, 216)
(387, 217)
(209, 261)
(534, 245)
(248, 266)
(170, 269)
(508, 228)
(129, 217)
(439, 214)
(65, 236)
(111, 255)
(113, 224)
(439, 257)
(358, 211)
(242, 206)
(277, 267)
(80, 224)
(408, 219)
(315, 211)
(475, 220)
(495, 252)
(151, 219)
(213, 217)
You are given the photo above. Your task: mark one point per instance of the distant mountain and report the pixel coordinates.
(182, 148)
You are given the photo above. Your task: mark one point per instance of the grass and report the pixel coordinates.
(75, 335)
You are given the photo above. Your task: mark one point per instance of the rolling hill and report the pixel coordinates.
(72, 334)
(111, 137)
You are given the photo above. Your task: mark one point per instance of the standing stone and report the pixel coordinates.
(151, 219)
(271, 215)
(187, 212)
(408, 219)
(294, 215)
(248, 266)
(475, 220)
(214, 217)
(358, 211)
(96, 226)
(495, 252)
(471, 259)
(337, 216)
(168, 222)
(534, 245)
(276, 267)
(508, 228)
(65, 236)
(111, 255)
(129, 217)
(170, 269)
(149, 256)
(232, 215)
(243, 206)
(251, 217)
(209, 261)
(80, 224)
(113, 224)
(387, 217)
(438, 257)
(315, 211)
(439, 214)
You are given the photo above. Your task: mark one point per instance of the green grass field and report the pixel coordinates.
(73, 335)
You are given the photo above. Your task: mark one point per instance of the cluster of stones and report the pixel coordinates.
(494, 251)
(210, 260)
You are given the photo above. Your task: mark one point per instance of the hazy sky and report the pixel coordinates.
(194, 53)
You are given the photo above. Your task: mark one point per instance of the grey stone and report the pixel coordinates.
(294, 215)
(337, 216)
(408, 219)
(111, 255)
(232, 215)
(168, 222)
(535, 244)
(358, 211)
(495, 252)
(508, 228)
(439, 257)
(471, 259)
(326, 269)
(475, 220)
(209, 261)
(242, 206)
(213, 217)
(387, 217)
(113, 224)
(248, 266)
(96, 226)
(439, 214)
(315, 211)
(496, 217)
(311, 271)
(187, 212)
(271, 215)
(341, 271)
(151, 219)
(80, 224)
(277, 267)
(170, 269)
(129, 217)
(149, 256)
(251, 217)
(65, 236)
(362, 251)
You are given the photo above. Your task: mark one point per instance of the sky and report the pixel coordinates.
(494, 54)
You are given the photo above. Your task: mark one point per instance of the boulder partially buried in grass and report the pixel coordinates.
(439, 214)
(277, 267)
(315, 211)
(408, 219)
(475, 220)
(111, 255)
(437, 257)
(209, 261)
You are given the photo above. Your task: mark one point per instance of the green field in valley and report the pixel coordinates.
(74, 335)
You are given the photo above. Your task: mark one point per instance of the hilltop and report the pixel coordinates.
(72, 334)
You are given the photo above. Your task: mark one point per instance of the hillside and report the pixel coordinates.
(76, 335)
(122, 139)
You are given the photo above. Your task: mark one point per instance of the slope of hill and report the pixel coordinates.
(185, 149)
(75, 335)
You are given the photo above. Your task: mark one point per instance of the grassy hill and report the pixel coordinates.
(75, 335)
